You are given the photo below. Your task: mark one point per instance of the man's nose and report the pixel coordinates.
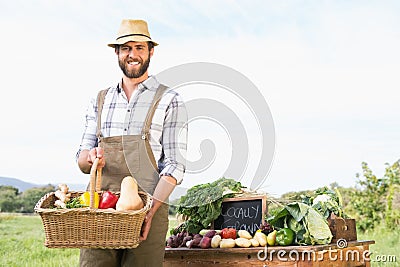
(132, 53)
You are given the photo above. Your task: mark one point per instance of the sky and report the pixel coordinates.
(328, 71)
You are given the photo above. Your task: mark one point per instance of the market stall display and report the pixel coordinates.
(310, 225)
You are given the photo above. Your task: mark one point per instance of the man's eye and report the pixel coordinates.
(124, 48)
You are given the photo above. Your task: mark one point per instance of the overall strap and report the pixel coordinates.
(100, 102)
(147, 122)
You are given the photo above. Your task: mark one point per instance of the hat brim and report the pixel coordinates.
(124, 40)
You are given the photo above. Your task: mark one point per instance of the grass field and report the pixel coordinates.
(22, 237)
(21, 244)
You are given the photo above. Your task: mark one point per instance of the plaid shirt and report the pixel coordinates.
(168, 131)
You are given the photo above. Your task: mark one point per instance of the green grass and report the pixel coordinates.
(21, 244)
(387, 244)
(22, 238)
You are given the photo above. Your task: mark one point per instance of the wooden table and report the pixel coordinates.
(356, 253)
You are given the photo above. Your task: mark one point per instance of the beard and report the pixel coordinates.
(134, 73)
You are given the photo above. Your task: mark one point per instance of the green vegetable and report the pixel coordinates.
(202, 203)
(308, 224)
(285, 237)
(326, 201)
(74, 203)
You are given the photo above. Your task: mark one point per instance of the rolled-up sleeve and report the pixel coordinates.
(89, 139)
(174, 139)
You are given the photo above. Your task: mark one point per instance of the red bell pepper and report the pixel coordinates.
(108, 200)
(228, 233)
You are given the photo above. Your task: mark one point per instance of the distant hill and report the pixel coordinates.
(22, 185)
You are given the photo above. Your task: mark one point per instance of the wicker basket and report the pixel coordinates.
(89, 227)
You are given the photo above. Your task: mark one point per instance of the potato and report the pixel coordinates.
(261, 238)
(243, 242)
(254, 242)
(244, 234)
(227, 243)
(215, 241)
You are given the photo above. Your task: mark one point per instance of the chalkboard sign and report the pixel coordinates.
(246, 213)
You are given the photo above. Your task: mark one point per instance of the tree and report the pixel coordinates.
(8, 198)
(392, 213)
(30, 197)
(373, 201)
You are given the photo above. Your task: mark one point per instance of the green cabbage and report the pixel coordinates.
(310, 226)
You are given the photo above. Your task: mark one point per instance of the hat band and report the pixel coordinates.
(133, 35)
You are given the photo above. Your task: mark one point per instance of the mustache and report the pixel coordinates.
(129, 60)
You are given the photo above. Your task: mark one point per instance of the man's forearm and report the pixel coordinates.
(83, 163)
(163, 190)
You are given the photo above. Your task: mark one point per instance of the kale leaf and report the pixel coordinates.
(202, 203)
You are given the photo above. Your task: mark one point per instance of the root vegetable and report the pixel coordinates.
(60, 204)
(254, 242)
(244, 234)
(227, 243)
(185, 240)
(205, 242)
(243, 242)
(215, 241)
(261, 238)
(195, 242)
(211, 233)
(62, 195)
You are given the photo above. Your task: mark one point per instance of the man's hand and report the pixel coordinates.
(163, 189)
(86, 159)
(96, 152)
(146, 225)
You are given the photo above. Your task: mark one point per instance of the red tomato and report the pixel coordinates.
(228, 233)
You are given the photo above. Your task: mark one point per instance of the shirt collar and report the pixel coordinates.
(151, 83)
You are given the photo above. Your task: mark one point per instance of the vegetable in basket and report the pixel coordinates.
(85, 199)
(129, 198)
(108, 200)
(62, 195)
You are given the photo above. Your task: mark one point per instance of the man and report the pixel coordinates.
(136, 127)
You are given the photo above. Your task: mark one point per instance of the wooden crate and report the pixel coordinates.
(342, 229)
(353, 255)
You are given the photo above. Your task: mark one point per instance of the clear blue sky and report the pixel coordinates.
(327, 69)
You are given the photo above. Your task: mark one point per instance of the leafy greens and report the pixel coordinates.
(310, 226)
(202, 203)
(326, 201)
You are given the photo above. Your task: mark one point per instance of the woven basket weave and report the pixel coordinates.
(90, 227)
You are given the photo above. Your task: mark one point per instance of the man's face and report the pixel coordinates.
(134, 58)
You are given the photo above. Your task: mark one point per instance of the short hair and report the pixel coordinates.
(150, 45)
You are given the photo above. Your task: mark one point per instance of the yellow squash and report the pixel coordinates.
(129, 198)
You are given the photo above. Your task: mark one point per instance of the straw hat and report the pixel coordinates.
(132, 30)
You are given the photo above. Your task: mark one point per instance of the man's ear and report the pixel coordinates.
(116, 50)
(151, 51)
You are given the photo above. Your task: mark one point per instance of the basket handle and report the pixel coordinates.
(95, 181)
